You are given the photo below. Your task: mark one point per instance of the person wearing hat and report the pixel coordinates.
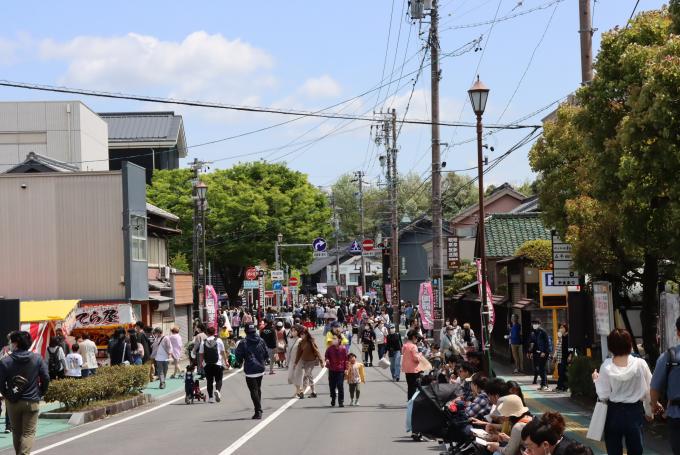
(253, 353)
(511, 408)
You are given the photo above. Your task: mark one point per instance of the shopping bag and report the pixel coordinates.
(597, 421)
(384, 363)
(424, 364)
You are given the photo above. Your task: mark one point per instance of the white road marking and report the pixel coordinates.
(126, 419)
(259, 427)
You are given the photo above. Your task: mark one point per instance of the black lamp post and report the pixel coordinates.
(479, 93)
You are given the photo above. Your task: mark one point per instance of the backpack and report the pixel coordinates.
(210, 353)
(221, 320)
(671, 362)
(54, 364)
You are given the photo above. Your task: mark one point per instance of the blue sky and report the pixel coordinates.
(306, 55)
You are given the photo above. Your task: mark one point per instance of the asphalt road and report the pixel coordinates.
(290, 426)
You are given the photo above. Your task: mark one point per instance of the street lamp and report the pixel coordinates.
(479, 93)
(201, 190)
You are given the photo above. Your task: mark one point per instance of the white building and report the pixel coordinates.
(67, 131)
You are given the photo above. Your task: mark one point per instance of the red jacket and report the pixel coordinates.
(336, 358)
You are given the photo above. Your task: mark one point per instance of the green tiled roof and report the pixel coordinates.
(506, 232)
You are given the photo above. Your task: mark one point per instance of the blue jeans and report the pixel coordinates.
(88, 372)
(382, 349)
(395, 365)
(624, 420)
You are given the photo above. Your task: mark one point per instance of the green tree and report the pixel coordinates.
(466, 274)
(414, 196)
(376, 207)
(608, 162)
(249, 205)
(458, 193)
(179, 261)
(528, 188)
(537, 252)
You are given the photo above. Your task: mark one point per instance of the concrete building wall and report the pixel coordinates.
(61, 236)
(63, 130)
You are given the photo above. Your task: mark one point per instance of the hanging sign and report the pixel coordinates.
(425, 300)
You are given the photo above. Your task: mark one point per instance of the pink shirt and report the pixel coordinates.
(410, 358)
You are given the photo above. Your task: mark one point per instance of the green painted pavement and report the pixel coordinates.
(47, 427)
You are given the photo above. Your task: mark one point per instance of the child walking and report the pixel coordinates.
(355, 376)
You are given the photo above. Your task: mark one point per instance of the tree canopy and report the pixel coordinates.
(248, 206)
(608, 162)
(537, 252)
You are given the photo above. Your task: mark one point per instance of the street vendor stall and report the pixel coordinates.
(41, 318)
(100, 321)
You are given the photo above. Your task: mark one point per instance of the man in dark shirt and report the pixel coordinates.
(23, 381)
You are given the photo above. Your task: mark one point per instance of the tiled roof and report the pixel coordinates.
(506, 232)
(142, 126)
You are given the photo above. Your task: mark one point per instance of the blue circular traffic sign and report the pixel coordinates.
(319, 244)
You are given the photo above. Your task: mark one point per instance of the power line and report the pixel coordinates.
(504, 18)
(531, 60)
(632, 13)
(212, 105)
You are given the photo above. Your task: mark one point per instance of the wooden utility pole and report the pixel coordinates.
(586, 34)
(360, 178)
(437, 265)
(394, 224)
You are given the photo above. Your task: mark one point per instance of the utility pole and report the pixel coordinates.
(360, 178)
(394, 243)
(336, 227)
(586, 33)
(437, 265)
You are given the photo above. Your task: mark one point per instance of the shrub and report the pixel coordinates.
(580, 377)
(109, 383)
(538, 252)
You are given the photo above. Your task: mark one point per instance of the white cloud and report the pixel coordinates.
(320, 87)
(201, 65)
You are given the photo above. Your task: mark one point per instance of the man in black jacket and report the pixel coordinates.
(253, 352)
(23, 381)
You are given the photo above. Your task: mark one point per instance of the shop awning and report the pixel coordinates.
(46, 310)
(524, 304)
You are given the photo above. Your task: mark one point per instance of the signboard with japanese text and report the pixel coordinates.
(425, 301)
(452, 252)
(92, 316)
(602, 304)
(564, 273)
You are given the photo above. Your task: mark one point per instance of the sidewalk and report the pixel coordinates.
(51, 426)
(575, 414)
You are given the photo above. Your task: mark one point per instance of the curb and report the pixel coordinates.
(80, 418)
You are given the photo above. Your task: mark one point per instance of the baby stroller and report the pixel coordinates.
(437, 414)
(192, 388)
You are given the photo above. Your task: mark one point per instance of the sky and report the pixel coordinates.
(308, 56)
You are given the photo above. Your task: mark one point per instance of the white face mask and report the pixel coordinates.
(535, 326)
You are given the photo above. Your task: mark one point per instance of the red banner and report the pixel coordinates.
(489, 297)
(212, 306)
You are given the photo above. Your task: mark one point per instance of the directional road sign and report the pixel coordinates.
(277, 275)
(277, 286)
(355, 247)
(319, 244)
(250, 284)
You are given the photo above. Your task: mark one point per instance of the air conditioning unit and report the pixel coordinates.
(165, 273)
(427, 4)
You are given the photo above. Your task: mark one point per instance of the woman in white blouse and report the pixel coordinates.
(624, 381)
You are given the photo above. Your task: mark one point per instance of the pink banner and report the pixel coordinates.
(212, 306)
(425, 299)
(360, 291)
(489, 296)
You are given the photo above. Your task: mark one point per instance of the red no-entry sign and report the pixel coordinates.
(251, 273)
(367, 245)
(293, 281)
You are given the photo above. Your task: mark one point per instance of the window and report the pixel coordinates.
(354, 278)
(466, 231)
(138, 233)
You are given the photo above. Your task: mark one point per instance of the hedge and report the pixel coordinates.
(109, 383)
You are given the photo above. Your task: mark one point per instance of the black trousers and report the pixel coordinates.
(255, 387)
(336, 383)
(213, 373)
(539, 363)
(412, 384)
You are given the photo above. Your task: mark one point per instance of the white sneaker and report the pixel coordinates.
(211, 400)
(351, 402)
(218, 397)
(356, 402)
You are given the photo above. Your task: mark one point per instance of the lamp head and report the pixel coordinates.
(479, 93)
(201, 190)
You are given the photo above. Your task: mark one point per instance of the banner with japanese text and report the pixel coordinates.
(425, 299)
